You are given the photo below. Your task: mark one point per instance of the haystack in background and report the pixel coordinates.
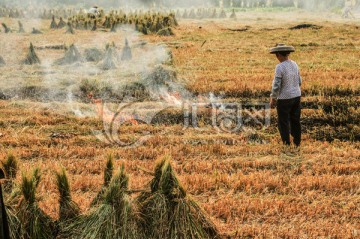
(36, 31)
(113, 27)
(214, 14)
(169, 212)
(171, 20)
(94, 26)
(178, 14)
(147, 23)
(126, 54)
(94, 55)
(233, 14)
(107, 23)
(21, 27)
(192, 14)
(108, 173)
(6, 28)
(77, 25)
(141, 27)
(166, 31)
(86, 25)
(71, 56)
(222, 14)
(53, 24)
(108, 62)
(116, 217)
(185, 14)
(31, 57)
(35, 223)
(70, 29)
(2, 61)
(61, 23)
(68, 208)
(170, 60)
(161, 81)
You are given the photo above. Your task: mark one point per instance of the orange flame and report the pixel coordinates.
(172, 98)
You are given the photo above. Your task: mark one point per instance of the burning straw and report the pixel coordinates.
(169, 212)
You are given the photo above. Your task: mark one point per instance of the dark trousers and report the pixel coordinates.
(289, 120)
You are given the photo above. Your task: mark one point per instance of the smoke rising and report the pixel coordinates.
(312, 5)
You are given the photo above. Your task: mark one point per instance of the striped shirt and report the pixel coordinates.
(287, 81)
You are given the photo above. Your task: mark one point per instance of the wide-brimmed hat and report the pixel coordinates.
(281, 47)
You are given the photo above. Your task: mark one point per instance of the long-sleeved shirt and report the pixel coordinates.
(287, 81)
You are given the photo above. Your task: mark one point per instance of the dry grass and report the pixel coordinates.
(249, 190)
(238, 62)
(241, 186)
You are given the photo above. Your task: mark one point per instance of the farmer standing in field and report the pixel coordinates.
(286, 93)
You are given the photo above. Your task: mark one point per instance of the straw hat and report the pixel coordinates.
(281, 47)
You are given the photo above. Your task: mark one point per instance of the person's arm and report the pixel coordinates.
(275, 91)
(275, 87)
(300, 79)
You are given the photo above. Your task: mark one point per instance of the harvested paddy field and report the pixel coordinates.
(51, 118)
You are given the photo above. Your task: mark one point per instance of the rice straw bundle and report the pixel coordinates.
(35, 223)
(68, 208)
(108, 173)
(114, 218)
(169, 212)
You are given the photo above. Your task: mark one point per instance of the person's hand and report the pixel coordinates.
(272, 102)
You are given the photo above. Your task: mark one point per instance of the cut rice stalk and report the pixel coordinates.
(68, 208)
(169, 212)
(115, 218)
(35, 223)
(108, 173)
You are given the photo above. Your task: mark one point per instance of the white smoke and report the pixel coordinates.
(311, 5)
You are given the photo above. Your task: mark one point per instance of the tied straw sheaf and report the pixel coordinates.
(164, 210)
